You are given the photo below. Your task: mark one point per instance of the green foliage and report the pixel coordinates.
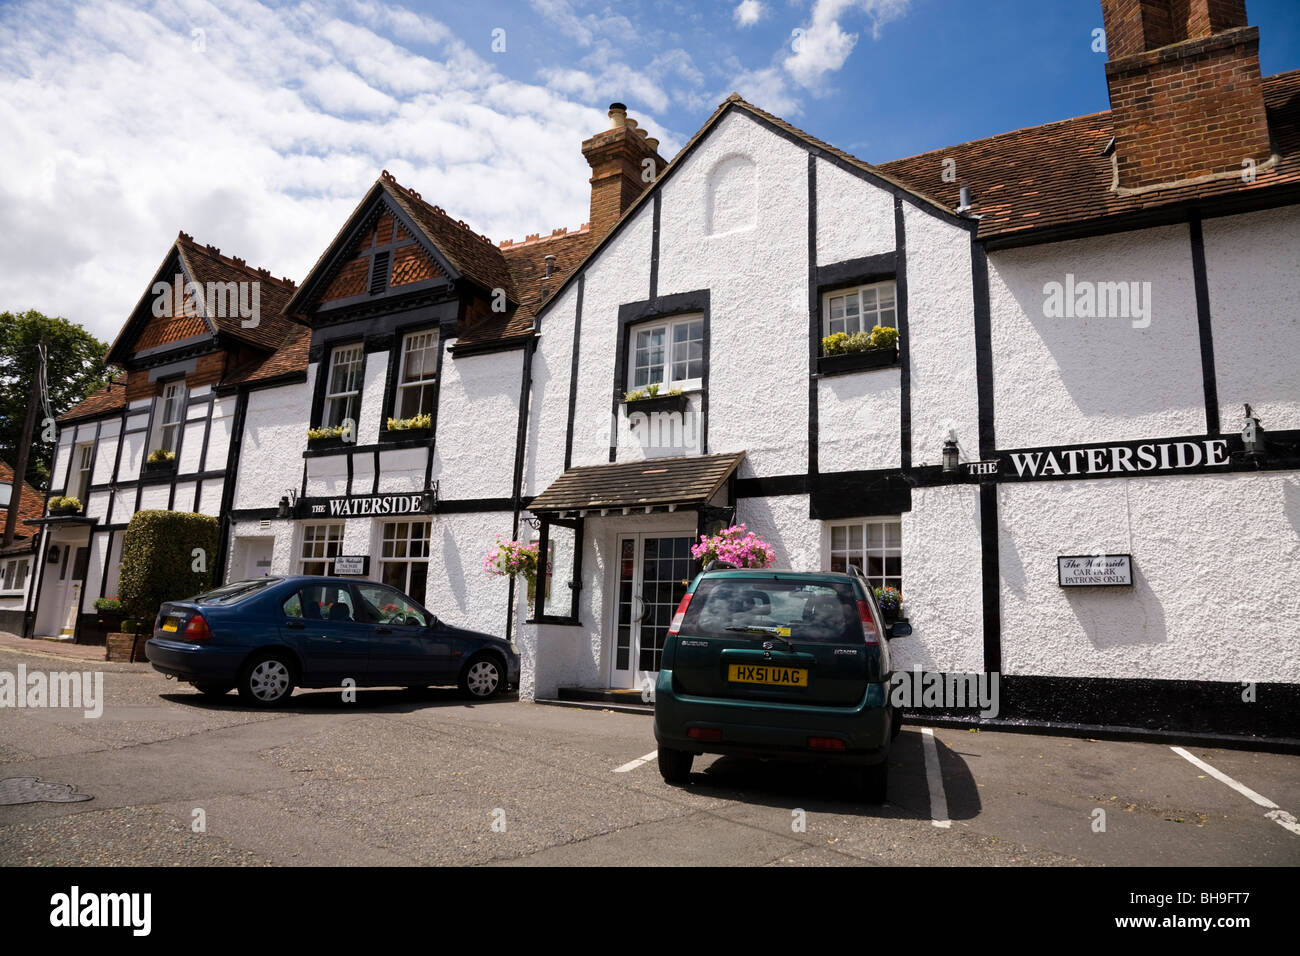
(841, 343)
(416, 421)
(161, 454)
(60, 503)
(330, 432)
(653, 389)
(636, 396)
(76, 368)
(158, 559)
(108, 604)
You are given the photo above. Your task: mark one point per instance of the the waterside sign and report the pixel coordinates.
(360, 506)
(1117, 458)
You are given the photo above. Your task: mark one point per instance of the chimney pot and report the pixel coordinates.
(550, 265)
(618, 113)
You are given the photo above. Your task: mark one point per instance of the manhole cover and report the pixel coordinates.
(36, 790)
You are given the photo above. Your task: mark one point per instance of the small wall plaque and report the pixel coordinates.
(1094, 570)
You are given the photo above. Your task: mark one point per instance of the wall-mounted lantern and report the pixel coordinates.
(1252, 434)
(287, 501)
(429, 501)
(950, 454)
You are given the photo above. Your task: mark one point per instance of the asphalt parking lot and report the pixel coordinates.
(404, 778)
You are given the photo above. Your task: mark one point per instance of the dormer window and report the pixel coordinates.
(415, 381)
(343, 388)
(169, 417)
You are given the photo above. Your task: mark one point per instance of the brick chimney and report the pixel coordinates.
(619, 172)
(1185, 90)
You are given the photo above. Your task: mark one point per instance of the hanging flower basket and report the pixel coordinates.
(512, 559)
(891, 603)
(736, 545)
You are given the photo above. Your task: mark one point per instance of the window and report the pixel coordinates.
(404, 557)
(321, 544)
(13, 574)
(875, 545)
(415, 379)
(386, 606)
(343, 386)
(80, 481)
(170, 417)
(670, 354)
(321, 602)
(860, 309)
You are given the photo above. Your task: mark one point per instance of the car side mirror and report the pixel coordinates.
(899, 629)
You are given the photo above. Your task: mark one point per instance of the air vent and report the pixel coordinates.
(379, 273)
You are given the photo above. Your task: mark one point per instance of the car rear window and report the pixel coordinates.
(824, 612)
(234, 593)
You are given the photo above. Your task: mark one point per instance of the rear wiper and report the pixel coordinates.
(773, 632)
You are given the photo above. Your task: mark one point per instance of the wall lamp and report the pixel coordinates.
(1252, 434)
(429, 500)
(950, 454)
(287, 501)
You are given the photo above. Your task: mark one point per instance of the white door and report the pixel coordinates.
(257, 558)
(74, 572)
(652, 575)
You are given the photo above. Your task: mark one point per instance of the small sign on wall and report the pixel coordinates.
(1094, 570)
(352, 564)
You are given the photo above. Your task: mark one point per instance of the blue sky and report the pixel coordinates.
(257, 125)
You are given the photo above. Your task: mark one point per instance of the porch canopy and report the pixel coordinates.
(637, 487)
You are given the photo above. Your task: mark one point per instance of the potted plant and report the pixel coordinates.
(843, 352)
(60, 505)
(328, 436)
(415, 427)
(891, 603)
(736, 545)
(160, 462)
(513, 559)
(106, 620)
(653, 398)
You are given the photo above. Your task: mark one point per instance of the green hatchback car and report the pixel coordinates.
(778, 664)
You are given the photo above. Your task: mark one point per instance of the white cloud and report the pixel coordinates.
(822, 45)
(118, 132)
(767, 89)
(748, 12)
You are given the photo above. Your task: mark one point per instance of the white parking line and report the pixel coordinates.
(938, 802)
(1276, 814)
(633, 764)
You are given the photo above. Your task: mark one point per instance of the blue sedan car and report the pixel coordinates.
(269, 635)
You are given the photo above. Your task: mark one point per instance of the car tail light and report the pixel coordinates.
(870, 629)
(704, 733)
(197, 631)
(680, 616)
(825, 743)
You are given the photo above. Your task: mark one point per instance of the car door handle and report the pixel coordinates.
(297, 625)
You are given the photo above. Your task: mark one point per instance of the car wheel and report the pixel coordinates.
(267, 681)
(214, 690)
(871, 782)
(675, 765)
(482, 677)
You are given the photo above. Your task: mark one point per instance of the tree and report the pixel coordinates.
(76, 368)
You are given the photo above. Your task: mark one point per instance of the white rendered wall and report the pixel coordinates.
(548, 409)
(1216, 571)
(853, 219)
(1252, 264)
(478, 420)
(858, 421)
(275, 436)
(941, 337)
(1072, 380)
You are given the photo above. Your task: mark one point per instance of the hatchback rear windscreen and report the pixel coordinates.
(824, 612)
(234, 593)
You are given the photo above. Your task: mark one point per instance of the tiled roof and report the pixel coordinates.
(110, 398)
(207, 264)
(685, 482)
(289, 358)
(1057, 174)
(31, 507)
(472, 255)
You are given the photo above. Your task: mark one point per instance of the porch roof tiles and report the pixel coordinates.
(656, 482)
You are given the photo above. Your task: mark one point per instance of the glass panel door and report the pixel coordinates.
(653, 574)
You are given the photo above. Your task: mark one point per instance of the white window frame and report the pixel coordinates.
(386, 559)
(885, 550)
(82, 457)
(350, 398)
(333, 535)
(165, 429)
(866, 320)
(9, 574)
(411, 343)
(668, 326)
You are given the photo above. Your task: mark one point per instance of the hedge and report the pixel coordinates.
(158, 560)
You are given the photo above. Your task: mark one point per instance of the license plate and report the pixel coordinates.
(169, 624)
(767, 674)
